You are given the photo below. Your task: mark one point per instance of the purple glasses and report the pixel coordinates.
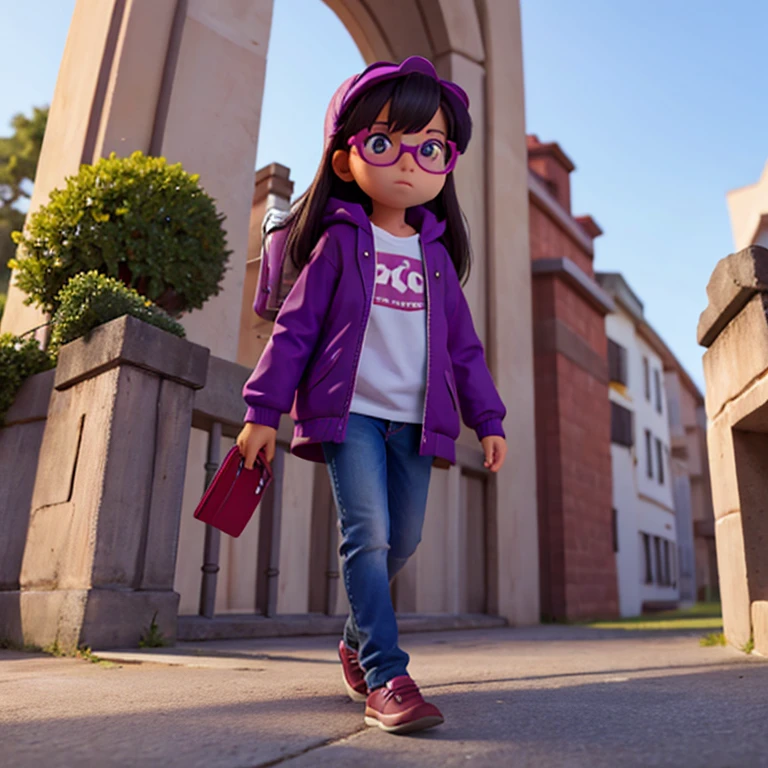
(432, 155)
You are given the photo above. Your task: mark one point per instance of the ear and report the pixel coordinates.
(340, 165)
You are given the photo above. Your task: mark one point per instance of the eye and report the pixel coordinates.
(378, 143)
(432, 149)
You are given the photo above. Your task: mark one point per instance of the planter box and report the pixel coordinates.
(103, 527)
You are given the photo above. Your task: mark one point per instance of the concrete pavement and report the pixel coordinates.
(541, 697)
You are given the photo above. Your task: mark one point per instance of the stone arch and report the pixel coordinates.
(185, 79)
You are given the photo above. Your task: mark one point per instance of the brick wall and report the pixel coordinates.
(549, 241)
(573, 448)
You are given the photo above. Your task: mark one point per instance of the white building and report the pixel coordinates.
(645, 538)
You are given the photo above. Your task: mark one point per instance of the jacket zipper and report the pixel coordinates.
(429, 312)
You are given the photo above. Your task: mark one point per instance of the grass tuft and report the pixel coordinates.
(153, 637)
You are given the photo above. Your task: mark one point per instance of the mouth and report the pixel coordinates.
(406, 183)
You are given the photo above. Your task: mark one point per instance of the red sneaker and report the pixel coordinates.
(399, 707)
(352, 674)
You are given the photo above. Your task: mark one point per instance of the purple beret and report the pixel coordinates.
(376, 73)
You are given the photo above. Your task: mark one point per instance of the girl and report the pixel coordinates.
(374, 351)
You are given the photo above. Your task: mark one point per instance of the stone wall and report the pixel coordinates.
(100, 546)
(734, 328)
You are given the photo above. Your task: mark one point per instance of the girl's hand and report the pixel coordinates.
(495, 449)
(252, 439)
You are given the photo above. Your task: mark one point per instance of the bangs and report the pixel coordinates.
(414, 99)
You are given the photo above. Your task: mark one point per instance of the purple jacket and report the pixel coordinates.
(309, 366)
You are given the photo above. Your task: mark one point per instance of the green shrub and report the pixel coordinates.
(19, 358)
(90, 299)
(3, 298)
(137, 219)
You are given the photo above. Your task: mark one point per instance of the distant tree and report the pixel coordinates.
(19, 154)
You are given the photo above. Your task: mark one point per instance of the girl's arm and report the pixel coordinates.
(481, 406)
(270, 390)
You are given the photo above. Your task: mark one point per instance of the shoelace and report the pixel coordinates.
(405, 692)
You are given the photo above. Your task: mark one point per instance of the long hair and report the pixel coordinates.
(414, 99)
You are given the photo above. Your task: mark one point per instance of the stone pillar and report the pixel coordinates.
(509, 301)
(734, 328)
(101, 547)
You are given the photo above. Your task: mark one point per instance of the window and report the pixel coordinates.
(657, 552)
(647, 379)
(617, 363)
(615, 525)
(657, 387)
(647, 553)
(660, 460)
(621, 425)
(648, 454)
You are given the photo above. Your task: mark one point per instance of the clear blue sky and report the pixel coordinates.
(661, 105)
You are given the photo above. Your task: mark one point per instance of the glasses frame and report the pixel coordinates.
(358, 141)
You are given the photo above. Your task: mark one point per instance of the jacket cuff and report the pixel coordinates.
(490, 427)
(268, 417)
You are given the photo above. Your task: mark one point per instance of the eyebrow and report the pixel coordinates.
(431, 130)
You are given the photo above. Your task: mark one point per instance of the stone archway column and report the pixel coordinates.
(509, 341)
(178, 78)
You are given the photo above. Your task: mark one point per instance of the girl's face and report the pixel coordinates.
(403, 184)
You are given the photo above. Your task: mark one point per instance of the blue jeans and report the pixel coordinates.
(380, 486)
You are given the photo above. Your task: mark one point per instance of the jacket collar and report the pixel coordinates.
(419, 217)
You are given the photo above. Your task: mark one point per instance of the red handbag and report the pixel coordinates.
(234, 493)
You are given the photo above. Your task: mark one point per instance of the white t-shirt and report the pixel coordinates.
(392, 374)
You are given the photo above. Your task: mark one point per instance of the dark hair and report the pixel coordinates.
(414, 99)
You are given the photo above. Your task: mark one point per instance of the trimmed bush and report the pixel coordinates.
(91, 299)
(19, 358)
(137, 219)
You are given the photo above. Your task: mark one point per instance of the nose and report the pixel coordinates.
(407, 162)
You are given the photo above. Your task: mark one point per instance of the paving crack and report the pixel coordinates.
(362, 728)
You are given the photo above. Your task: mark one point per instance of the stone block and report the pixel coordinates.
(760, 626)
(19, 449)
(127, 340)
(732, 568)
(10, 617)
(733, 283)
(125, 468)
(43, 617)
(31, 402)
(59, 549)
(749, 411)
(738, 355)
(97, 618)
(751, 456)
(221, 399)
(722, 465)
(118, 618)
(454, 27)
